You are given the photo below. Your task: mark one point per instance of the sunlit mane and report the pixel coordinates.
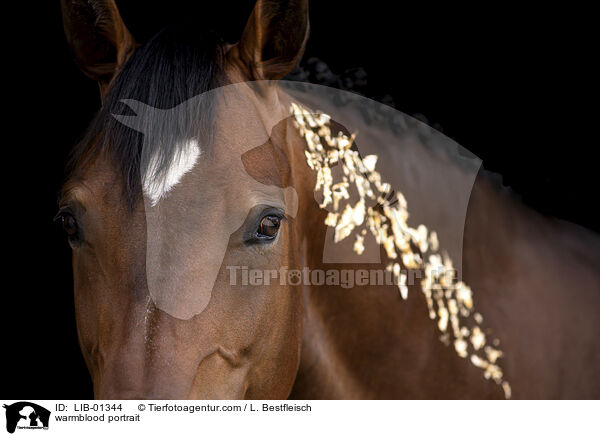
(448, 299)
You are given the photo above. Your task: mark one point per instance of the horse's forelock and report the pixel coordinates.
(171, 68)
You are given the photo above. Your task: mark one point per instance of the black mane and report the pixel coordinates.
(172, 67)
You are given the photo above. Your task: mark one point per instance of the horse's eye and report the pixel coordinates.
(269, 226)
(68, 223)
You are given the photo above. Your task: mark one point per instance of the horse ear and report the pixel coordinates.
(274, 38)
(98, 37)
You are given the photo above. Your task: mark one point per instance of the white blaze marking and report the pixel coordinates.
(156, 184)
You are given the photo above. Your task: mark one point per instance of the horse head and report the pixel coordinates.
(165, 195)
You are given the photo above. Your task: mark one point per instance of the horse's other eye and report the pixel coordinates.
(68, 223)
(269, 226)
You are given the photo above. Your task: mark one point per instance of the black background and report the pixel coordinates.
(509, 84)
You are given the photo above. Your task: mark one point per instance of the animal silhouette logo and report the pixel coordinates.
(26, 415)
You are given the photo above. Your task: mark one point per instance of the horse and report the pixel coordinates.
(158, 222)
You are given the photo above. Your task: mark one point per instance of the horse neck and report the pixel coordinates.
(367, 342)
(521, 266)
(535, 280)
